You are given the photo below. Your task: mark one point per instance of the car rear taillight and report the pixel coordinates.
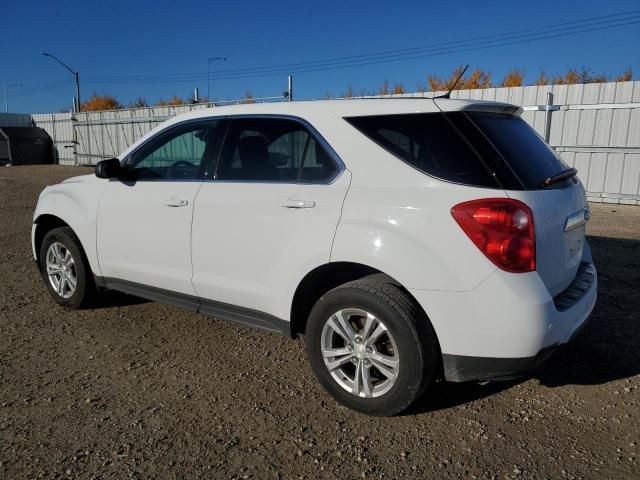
(502, 229)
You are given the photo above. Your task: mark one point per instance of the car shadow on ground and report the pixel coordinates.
(607, 349)
(111, 298)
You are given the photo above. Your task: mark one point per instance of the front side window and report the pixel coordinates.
(178, 154)
(272, 150)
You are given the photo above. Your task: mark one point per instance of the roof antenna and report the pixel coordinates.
(455, 83)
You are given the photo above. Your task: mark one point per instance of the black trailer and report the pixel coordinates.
(25, 146)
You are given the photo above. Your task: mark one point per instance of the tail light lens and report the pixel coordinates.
(502, 229)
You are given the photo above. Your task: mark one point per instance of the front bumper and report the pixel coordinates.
(509, 325)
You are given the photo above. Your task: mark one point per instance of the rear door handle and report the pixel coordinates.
(176, 202)
(291, 203)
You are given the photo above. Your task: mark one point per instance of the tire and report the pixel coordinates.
(408, 339)
(63, 241)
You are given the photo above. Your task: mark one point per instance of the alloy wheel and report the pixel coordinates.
(360, 353)
(61, 270)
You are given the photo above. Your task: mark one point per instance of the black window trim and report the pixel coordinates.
(489, 171)
(312, 132)
(487, 167)
(469, 115)
(213, 162)
(493, 146)
(127, 158)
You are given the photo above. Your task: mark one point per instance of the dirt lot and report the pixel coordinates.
(140, 390)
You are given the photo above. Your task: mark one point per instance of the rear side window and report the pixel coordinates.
(530, 158)
(472, 148)
(431, 143)
(273, 150)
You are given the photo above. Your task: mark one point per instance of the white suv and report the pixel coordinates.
(409, 240)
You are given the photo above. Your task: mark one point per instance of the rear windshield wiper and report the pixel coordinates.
(564, 175)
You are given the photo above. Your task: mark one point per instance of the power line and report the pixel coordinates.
(473, 47)
(476, 43)
(393, 53)
(24, 92)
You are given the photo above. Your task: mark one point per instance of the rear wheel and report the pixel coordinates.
(65, 269)
(371, 347)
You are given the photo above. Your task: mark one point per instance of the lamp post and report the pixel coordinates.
(7, 86)
(209, 62)
(75, 74)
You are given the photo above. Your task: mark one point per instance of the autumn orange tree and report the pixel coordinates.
(384, 90)
(349, 93)
(248, 98)
(477, 79)
(138, 103)
(515, 77)
(98, 102)
(398, 89)
(626, 76)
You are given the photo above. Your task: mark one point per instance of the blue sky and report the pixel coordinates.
(120, 38)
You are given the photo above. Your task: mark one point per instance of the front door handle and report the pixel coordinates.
(176, 202)
(291, 203)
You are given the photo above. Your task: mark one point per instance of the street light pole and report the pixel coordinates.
(7, 86)
(76, 76)
(209, 61)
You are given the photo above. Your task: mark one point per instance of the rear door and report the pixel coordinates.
(268, 217)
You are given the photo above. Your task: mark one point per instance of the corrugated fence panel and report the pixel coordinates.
(588, 130)
(613, 173)
(633, 138)
(595, 182)
(60, 129)
(631, 176)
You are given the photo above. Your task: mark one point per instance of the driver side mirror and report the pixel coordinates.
(110, 168)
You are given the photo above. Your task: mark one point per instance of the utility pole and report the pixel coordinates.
(76, 76)
(209, 62)
(7, 86)
(290, 89)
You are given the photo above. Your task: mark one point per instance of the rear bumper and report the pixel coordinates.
(460, 368)
(509, 325)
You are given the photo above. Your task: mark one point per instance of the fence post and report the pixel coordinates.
(74, 130)
(547, 117)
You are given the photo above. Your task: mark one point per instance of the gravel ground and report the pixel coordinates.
(141, 390)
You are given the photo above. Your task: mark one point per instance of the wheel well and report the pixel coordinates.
(44, 224)
(318, 282)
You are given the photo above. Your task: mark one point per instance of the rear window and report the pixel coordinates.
(530, 157)
(478, 149)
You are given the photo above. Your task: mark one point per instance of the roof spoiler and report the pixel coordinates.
(478, 106)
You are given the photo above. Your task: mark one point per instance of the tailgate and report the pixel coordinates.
(559, 216)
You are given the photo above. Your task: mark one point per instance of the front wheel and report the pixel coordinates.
(371, 347)
(65, 269)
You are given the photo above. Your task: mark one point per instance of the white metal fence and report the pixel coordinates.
(594, 127)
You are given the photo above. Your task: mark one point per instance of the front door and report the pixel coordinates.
(144, 219)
